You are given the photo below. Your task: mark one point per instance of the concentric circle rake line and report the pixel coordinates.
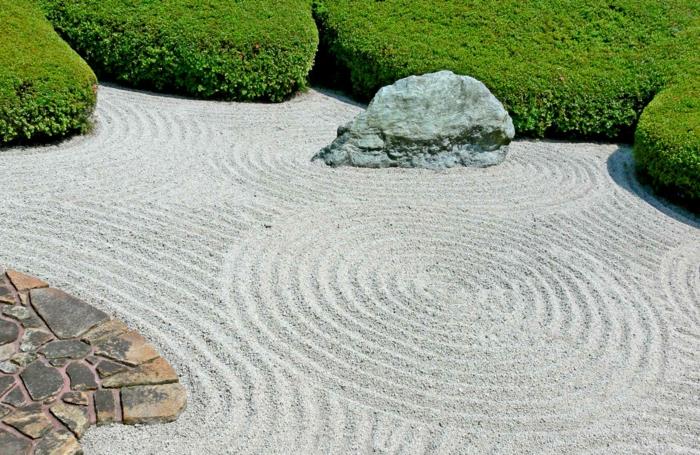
(351, 343)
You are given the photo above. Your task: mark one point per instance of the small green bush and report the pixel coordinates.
(579, 69)
(667, 141)
(46, 89)
(242, 50)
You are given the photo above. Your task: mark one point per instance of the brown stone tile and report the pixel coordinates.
(113, 327)
(7, 298)
(106, 407)
(58, 442)
(74, 417)
(29, 420)
(157, 371)
(23, 282)
(153, 403)
(130, 348)
(75, 397)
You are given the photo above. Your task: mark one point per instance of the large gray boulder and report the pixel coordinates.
(435, 121)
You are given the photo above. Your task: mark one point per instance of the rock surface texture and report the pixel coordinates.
(67, 365)
(434, 121)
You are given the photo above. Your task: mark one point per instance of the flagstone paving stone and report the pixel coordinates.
(13, 444)
(33, 339)
(66, 316)
(76, 397)
(71, 349)
(41, 380)
(65, 365)
(81, 377)
(30, 420)
(23, 282)
(75, 417)
(59, 442)
(8, 331)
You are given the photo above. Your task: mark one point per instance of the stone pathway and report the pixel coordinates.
(65, 365)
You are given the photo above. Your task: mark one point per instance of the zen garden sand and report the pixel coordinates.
(545, 305)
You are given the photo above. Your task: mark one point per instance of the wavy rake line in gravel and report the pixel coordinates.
(65, 365)
(375, 311)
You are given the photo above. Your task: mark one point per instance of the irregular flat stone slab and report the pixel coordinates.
(157, 371)
(105, 407)
(7, 351)
(6, 383)
(130, 348)
(33, 339)
(113, 327)
(8, 331)
(22, 359)
(107, 368)
(4, 410)
(7, 297)
(24, 315)
(81, 377)
(41, 380)
(74, 417)
(11, 444)
(30, 420)
(8, 367)
(75, 397)
(23, 282)
(14, 397)
(66, 316)
(58, 442)
(71, 349)
(153, 403)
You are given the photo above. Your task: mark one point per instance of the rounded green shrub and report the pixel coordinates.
(561, 67)
(46, 89)
(227, 49)
(667, 141)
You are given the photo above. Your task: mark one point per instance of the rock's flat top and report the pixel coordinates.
(436, 120)
(51, 386)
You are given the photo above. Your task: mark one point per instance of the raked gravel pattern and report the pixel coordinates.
(550, 304)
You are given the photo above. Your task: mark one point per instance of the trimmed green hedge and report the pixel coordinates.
(242, 50)
(46, 89)
(580, 69)
(667, 141)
